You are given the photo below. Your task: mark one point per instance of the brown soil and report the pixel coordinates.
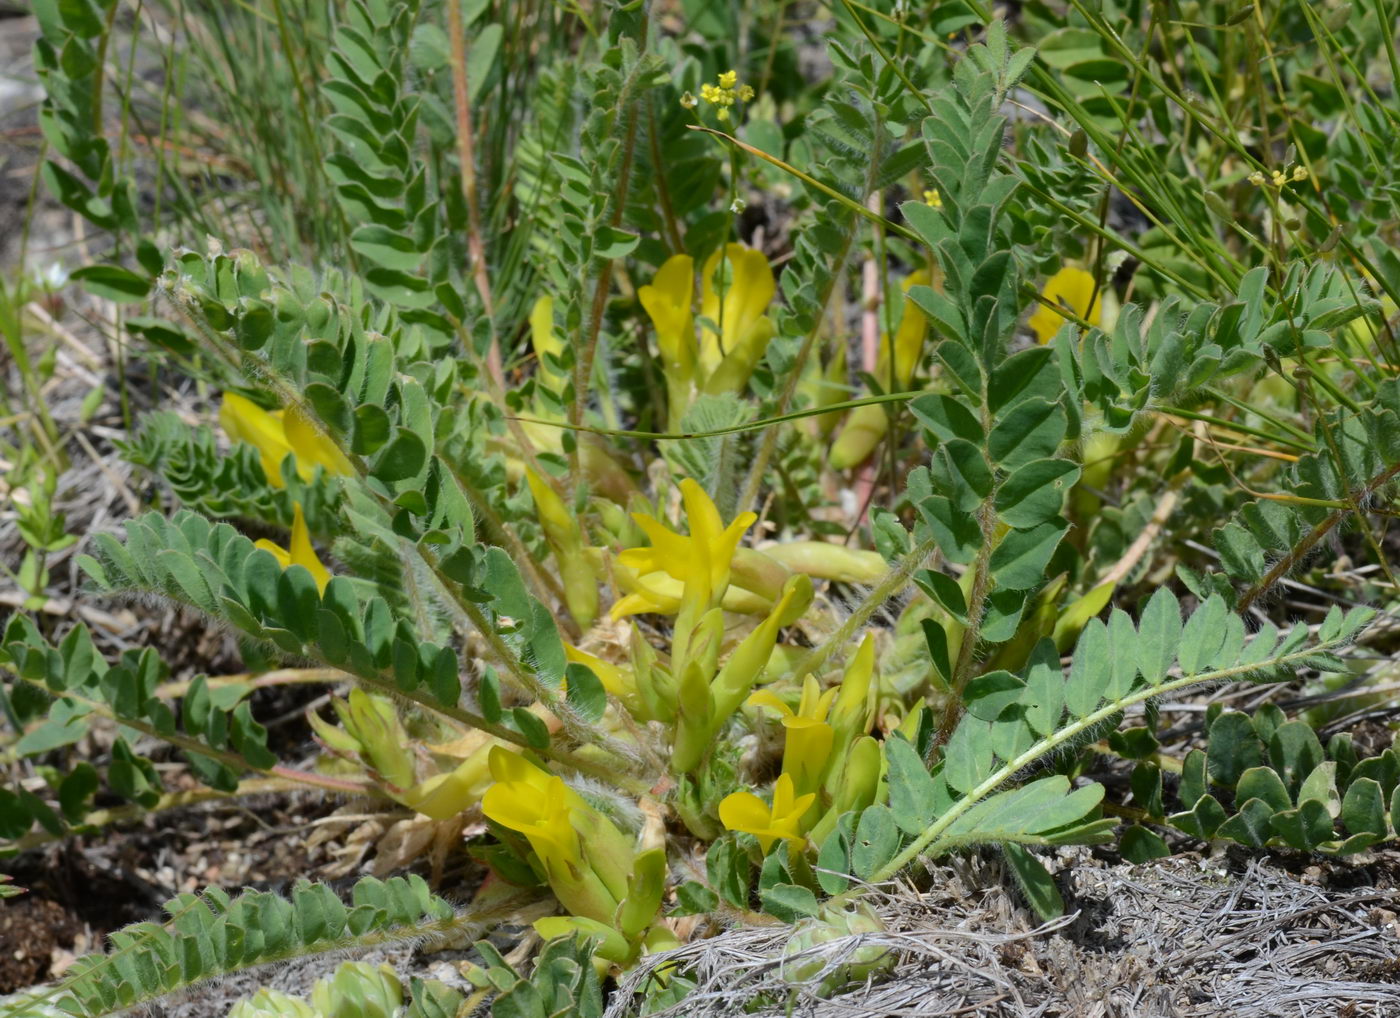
(34, 935)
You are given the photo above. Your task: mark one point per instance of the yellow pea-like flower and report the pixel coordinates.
(809, 738)
(1071, 287)
(727, 357)
(744, 811)
(667, 301)
(736, 287)
(585, 858)
(300, 552)
(565, 539)
(545, 341)
(443, 796)
(277, 434)
(245, 421)
(700, 560)
(854, 711)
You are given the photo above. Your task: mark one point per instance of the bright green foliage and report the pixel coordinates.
(473, 354)
(1287, 790)
(69, 59)
(223, 485)
(563, 983)
(71, 684)
(1357, 458)
(1016, 721)
(211, 935)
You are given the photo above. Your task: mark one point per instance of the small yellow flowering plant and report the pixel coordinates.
(722, 95)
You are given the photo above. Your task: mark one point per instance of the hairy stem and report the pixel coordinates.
(928, 841)
(895, 581)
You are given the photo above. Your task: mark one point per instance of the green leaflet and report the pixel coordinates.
(1018, 721)
(212, 935)
(1287, 789)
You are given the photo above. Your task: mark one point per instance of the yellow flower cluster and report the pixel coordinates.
(933, 199)
(722, 95)
(831, 764)
(1278, 178)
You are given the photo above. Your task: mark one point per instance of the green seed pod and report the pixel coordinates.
(833, 925)
(862, 432)
(828, 561)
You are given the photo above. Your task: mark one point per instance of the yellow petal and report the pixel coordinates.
(302, 554)
(768, 698)
(669, 552)
(543, 338)
(559, 525)
(615, 680)
(740, 358)
(909, 336)
(636, 604)
(648, 592)
(314, 448)
(245, 421)
(801, 805)
(744, 811)
(783, 793)
(667, 302)
(512, 768)
(750, 291)
(1070, 287)
(445, 795)
(283, 557)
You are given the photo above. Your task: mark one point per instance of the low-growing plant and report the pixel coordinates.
(536, 464)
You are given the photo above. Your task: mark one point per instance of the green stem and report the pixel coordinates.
(1064, 736)
(733, 429)
(342, 786)
(895, 581)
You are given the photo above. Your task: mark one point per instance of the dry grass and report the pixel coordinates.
(1181, 938)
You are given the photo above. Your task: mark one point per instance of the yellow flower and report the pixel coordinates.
(701, 561)
(728, 357)
(807, 747)
(618, 682)
(744, 811)
(933, 198)
(545, 341)
(722, 95)
(721, 361)
(301, 552)
(245, 421)
(1071, 287)
(565, 539)
(443, 796)
(585, 858)
(277, 434)
(667, 301)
